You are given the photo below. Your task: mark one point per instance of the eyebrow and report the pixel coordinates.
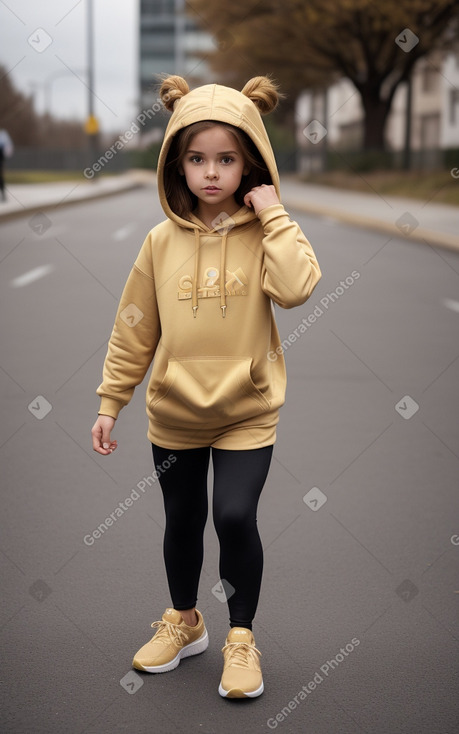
(223, 152)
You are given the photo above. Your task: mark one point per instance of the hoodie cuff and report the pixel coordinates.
(109, 406)
(271, 212)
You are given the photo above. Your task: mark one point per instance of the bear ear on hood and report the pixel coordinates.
(172, 89)
(263, 92)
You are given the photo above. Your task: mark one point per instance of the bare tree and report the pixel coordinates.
(308, 44)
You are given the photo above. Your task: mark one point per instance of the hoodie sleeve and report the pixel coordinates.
(134, 338)
(290, 270)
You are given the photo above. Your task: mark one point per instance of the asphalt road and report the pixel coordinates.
(357, 621)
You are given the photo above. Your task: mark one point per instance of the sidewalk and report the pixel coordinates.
(29, 198)
(428, 222)
(436, 224)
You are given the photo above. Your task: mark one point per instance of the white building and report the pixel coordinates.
(434, 115)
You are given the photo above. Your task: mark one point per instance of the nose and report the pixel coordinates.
(211, 170)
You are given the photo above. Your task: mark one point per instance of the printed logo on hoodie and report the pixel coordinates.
(235, 284)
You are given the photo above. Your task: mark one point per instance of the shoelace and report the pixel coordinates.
(167, 631)
(241, 654)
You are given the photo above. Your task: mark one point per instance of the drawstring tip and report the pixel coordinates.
(223, 308)
(195, 308)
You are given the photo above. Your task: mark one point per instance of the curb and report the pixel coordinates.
(87, 196)
(426, 236)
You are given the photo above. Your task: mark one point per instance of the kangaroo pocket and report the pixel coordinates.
(207, 392)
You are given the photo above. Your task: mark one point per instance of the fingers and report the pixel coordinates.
(104, 448)
(108, 447)
(264, 186)
(260, 197)
(101, 441)
(248, 199)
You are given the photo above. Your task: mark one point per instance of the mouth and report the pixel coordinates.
(211, 188)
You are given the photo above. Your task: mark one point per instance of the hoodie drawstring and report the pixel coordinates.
(197, 245)
(196, 272)
(223, 273)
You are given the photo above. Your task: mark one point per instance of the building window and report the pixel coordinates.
(429, 78)
(430, 131)
(157, 7)
(454, 106)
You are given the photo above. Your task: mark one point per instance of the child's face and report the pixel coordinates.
(213, 166)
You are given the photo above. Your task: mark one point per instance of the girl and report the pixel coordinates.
(199, 300)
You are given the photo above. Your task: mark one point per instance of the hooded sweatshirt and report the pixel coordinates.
(199, 303)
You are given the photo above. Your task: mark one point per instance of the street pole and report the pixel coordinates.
(407, 146)
(179, 37)
(91, 124)
(325, 138)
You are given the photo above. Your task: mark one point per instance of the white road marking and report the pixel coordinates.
(123, 232)
(31, 276)
(452, 305)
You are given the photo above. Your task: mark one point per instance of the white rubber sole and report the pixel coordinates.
(238, 693)
(194, 648)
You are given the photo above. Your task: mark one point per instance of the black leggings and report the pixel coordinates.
(239, 477)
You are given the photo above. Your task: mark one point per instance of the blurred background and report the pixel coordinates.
(370, 87)
(367, 142)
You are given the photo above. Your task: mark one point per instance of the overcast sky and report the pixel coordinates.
(57, 46)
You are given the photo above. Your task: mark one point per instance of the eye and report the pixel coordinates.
(227, 159)
(195, 159)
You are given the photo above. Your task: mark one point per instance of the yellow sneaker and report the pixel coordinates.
(242, 676)
(173, 641)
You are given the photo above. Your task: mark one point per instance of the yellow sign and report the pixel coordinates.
(91, 126)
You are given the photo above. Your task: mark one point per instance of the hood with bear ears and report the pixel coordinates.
(222, 104)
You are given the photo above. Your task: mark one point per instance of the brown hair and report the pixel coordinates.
(264, 94)
(179, 196)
